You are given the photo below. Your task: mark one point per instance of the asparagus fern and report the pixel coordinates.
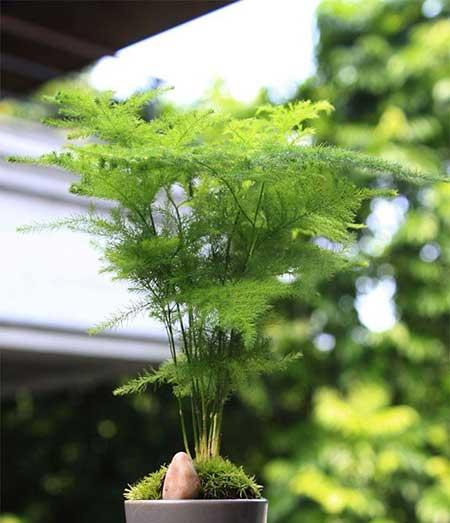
(215, 219)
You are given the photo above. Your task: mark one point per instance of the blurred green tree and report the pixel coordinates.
(371, 440)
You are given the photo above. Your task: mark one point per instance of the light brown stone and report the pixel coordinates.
(181, 481)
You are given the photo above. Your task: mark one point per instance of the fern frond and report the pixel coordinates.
(137, 385)
(120, 318)
(93, 224)
(346, 160)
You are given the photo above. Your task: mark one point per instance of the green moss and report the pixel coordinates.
(149, 487)
(219, 479)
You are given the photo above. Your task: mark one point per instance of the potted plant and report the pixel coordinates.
(215, 219)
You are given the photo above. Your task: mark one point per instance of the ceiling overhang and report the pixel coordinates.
(42, 39)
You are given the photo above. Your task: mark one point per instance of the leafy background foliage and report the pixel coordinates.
(373, 444)
(355, 434)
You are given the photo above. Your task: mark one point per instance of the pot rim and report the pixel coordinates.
(193, 501)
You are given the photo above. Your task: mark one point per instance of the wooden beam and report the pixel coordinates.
(28, 68)
(51, 38)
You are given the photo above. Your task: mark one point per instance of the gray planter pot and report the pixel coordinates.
(197, 511)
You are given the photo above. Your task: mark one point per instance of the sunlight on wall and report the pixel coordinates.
(249, 44)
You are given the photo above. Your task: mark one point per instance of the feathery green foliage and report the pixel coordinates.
(219, 479)
(215, 219)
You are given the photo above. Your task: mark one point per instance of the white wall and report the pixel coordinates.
(51, 279)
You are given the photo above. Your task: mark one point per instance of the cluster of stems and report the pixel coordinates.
(197, 344)
(207, 393)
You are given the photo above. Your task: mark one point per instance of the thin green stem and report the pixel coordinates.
(228, 186)
(254, 235)
(183, 427)
(229, 244)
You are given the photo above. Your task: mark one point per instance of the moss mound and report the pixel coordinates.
(149, 487)
(219, 479)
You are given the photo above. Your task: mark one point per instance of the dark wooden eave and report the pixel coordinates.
(44, 39)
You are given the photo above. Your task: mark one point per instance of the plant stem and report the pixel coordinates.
(254, 229)
(183, 427)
